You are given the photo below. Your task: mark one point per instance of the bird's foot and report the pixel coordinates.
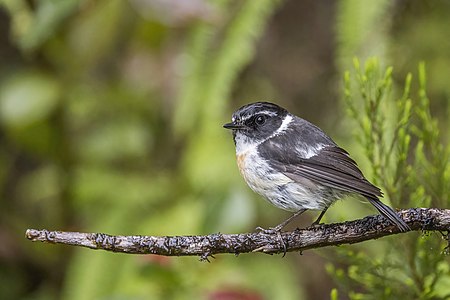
(275, 231)
(270, 230)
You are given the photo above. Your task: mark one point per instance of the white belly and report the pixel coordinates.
(276, 187)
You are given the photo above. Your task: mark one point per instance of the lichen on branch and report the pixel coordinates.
(368, 228)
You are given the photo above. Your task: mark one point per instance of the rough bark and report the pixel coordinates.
(368, 228)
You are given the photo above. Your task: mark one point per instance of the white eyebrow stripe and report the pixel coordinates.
(264, 112)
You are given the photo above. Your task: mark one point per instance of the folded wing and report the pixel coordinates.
(329, 165)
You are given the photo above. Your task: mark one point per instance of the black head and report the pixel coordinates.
(257, 120)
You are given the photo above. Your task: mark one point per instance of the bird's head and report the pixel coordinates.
(256, 122)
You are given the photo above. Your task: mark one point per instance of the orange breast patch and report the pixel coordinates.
(241, 162)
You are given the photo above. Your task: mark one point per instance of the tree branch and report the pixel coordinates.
(368, 228)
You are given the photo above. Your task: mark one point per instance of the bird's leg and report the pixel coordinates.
(277, 229)
(317, 222)
(280, 226)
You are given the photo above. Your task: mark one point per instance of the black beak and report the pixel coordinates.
(233, 126)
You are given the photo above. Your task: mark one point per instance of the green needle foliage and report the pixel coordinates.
(410, 162)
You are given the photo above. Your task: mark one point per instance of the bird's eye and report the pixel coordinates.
(259, 120)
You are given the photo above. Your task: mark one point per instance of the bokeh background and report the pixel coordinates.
(111, 118)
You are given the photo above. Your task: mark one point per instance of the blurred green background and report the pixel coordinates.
(111, 118)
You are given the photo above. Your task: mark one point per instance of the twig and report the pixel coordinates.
(371, 227)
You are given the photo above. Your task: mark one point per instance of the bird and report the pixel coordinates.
(295, 165)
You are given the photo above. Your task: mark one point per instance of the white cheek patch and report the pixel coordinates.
(284, 125)
(244, 143)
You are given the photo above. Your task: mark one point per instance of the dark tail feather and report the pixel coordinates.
(390, 214)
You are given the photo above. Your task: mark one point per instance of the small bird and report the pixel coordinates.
(295, 165)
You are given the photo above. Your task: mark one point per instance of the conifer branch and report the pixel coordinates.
(368, 228)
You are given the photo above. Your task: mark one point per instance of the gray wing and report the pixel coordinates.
(329, 165)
